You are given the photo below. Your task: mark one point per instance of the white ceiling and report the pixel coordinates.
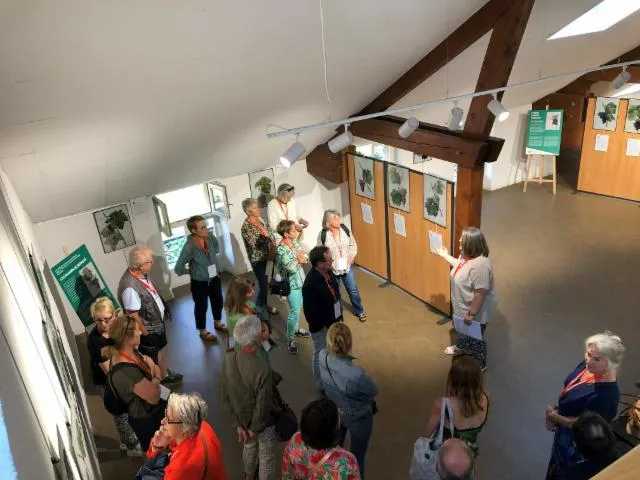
(104, 101)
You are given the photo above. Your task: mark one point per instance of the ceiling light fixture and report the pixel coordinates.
(601, 17)
(293, 154)
(408, 127)
(341, 141)
(442, 101)
(621, 79)
(631, 89)
(455, 118)
(498, 109)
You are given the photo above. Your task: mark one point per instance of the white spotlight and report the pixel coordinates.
(408, 127)
(621, 79)
(293, 153)
(341, 141)
(498, 110)
(455, 118)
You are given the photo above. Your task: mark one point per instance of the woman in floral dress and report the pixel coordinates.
(313, 452)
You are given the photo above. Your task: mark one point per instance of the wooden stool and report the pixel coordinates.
(540, 178)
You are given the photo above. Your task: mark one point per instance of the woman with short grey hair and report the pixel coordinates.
(283, 207)
(260, 242)
(473, 291)
(592, 386)
(195, 451)
(248, 397)
(340, 240)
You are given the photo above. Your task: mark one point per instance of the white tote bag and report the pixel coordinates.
(425, 450)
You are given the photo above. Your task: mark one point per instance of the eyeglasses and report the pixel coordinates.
(167, 421)
(104, 320)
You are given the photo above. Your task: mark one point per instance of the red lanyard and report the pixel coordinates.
(259, 225)
(142, 365)
(333, 292)
(290, 248)
(249, 310)
(581, 379)
(149, 286)
(338, 242)
(460, 265)
(286, 213)
(203, 244)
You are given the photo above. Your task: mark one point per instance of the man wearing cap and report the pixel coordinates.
(283, 207)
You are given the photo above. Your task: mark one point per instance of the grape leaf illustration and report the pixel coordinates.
(111, 233)
(633, 115)
(264, 185)
(432, 204)
(396, 176)
(366, 178)
(609, 113)
(399, 196)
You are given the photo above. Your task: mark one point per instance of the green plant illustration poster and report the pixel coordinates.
(398, 187)
(263, 186)
(632, 125)
(364, 178)
(544, 132)
(606, 114)
(435, 200)
(81, 281)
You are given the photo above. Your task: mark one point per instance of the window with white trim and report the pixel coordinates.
(174, 208)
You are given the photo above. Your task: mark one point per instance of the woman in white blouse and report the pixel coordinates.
(283, 207)
(337, 237)
(473, 294)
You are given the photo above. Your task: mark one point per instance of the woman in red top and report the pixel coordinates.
(195, 452)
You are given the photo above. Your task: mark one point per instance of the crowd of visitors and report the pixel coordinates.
(129, 366)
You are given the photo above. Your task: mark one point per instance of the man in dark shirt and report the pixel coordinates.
(595, 440)
(321, 303)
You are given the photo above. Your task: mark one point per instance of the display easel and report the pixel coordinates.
(540, 178)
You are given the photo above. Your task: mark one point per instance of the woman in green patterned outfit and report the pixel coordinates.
(290, 255)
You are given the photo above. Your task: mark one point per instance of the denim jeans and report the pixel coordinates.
(295, 304)
(349, 281)
(319, 340)
(359, 429)
(260, 271)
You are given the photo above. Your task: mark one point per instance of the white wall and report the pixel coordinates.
(34, 405)
(312, 198)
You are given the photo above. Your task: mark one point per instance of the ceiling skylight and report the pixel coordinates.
(628, 90)
(601, 17)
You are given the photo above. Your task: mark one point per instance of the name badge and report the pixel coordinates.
(266, 345)
(342, 264)
(213, 271)
(337, 309)
(164, 392)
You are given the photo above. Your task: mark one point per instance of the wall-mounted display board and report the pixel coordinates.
(544, 132)
(414, 267)
(394, 241)
(368, 221)
(613, 171)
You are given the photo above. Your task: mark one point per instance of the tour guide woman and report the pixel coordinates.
(137, 383)
(473, 294)
(290, 255)
(591, 386)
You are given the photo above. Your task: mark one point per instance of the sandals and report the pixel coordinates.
(221, 327)
(362, 317)
(208, 336)
(452, 350)
(271, 310)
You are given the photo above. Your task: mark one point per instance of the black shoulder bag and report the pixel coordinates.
(112, 401)
(281, 288)
(374, 404)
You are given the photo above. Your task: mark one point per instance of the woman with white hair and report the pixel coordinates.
(283, 207)
(592, 386)
(340, 240)
(248, 385)
(195, 452)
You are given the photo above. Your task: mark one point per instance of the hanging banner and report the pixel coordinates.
(81, 281)
(544, 132)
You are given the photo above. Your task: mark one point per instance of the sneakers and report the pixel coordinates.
(171, 378)
(292, 347)
(362, 317)
(452, 350)
(302, 333)
(136, 451)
